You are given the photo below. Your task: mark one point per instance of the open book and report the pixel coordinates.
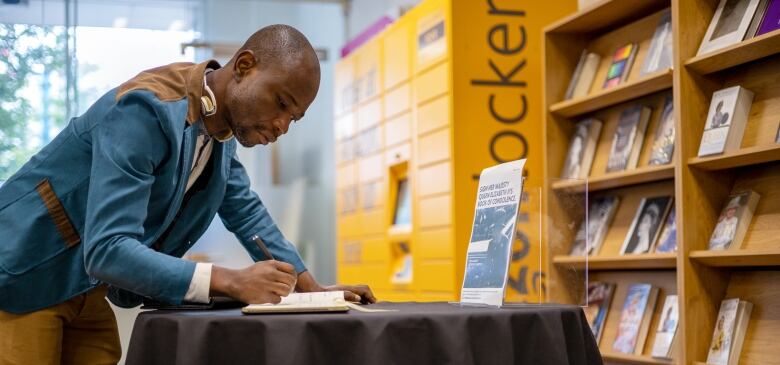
(332, 301)
(314, 302)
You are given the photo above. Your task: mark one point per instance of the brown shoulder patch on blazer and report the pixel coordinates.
(172, 82)
(57, 213)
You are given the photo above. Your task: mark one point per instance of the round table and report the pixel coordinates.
(413, 333)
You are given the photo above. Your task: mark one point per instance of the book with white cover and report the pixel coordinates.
(659, 56)
(582, 78)
(667, 328)
(734, 221)
(729, 332)
(729, 24)
(628, 139)
(582, 148)
(492, 234)
(726, 120)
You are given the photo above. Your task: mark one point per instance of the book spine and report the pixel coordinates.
(590, 150)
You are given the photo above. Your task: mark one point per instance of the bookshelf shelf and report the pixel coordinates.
(604, 98)
(627, 262)
(738, 258)
(618, 179)
(744, 157)
(735, 55)
(604, 15)
(634, 359)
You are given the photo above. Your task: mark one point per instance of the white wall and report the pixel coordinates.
(363, 13)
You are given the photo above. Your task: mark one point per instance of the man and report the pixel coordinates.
(114, 201)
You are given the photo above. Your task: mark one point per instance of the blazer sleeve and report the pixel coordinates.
(244, 214)
(127, 146)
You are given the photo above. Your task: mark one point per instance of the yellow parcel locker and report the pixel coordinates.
(461, 91)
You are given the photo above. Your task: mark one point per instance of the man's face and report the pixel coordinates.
(263, 101)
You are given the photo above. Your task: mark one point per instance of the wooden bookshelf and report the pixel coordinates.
(744, 157)
(625, 262)
(700, 185)
(735, 55)
(604, 98)
(737, 258)
(634, 359)
(640, 175)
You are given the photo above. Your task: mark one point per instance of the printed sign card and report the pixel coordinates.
(492, 234)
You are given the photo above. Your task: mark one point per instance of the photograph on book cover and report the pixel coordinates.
(646, 224)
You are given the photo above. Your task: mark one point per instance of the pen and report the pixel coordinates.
(262, 246)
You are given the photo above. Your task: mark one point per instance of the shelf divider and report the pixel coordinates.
(639, 175)
(634, 359)
(738, 54)
(738, 258)
(624, 262)
(605, 15)
(743, 157)
(605, 98)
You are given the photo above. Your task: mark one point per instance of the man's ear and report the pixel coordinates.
(245, 61)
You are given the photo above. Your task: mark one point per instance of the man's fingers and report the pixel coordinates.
(283, 277)
(283, 266)
(351, 297)
(280, 289)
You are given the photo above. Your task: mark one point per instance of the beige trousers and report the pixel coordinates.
(81, 330)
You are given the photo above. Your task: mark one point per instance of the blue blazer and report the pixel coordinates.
(105, 201)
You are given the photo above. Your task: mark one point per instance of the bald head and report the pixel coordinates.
(282, 45)
(273, 78)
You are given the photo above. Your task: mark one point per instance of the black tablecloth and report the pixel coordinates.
(417, 333)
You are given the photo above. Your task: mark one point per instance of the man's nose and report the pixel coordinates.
(283, 124)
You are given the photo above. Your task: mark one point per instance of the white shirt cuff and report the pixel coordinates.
(200, 284)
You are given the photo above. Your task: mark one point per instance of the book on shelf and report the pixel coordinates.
(583, 76)
(620, 67)
(596, 306)
(734, 221)
(659, 56)
(771, 19)
(729, 333)
(663, 143)
(635, 319)
(757, 18)
(667, 328)
(729, 24)
(582, 148)
(726, 120)
(646, 225)
(628, 139)
(777, 137)
(667, 240)
(591, 234)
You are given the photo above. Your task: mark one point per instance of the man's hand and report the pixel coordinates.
(352, 293)
(263, 282)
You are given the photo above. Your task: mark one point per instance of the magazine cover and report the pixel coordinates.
(667, 327)
(728, 222)
(720, 345)
(631, 318)
(492, 234)
(646, 225)
(663, 144)
(624, 139)
(596, 306)
(659, 57)
(667, 241)
(590, 236)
